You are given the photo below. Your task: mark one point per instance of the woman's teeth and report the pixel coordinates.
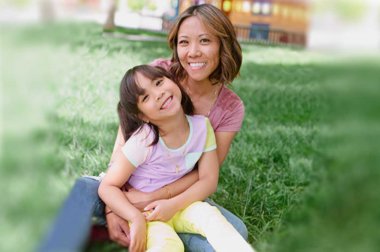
(197, 65)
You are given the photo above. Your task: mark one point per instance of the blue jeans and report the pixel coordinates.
(72, 225)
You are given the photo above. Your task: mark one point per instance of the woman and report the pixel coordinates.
(206, 57)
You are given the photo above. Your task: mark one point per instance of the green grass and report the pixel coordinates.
(302, 173)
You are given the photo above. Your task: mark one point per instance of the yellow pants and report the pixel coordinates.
(198, 218)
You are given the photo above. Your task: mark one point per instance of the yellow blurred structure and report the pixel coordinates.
(272, 21)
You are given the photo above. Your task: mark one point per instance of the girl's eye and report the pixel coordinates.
(145, 98)
(159, 82)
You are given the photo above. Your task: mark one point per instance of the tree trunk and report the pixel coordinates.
(110, 21)
(46, 11)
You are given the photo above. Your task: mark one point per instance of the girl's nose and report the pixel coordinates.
(159, 95)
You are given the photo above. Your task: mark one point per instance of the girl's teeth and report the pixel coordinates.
(166, 103)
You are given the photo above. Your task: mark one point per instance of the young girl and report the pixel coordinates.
(163, 144)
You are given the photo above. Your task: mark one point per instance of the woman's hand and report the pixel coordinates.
(137, 198)
(138, 234)
(118, 229)
(161, 210)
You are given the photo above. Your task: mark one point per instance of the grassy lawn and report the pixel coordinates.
(302, 173)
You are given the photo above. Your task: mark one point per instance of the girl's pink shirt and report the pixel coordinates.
(227, 113)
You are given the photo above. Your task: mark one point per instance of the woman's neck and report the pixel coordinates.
(198, 88)
(203, 95)
(175, 132)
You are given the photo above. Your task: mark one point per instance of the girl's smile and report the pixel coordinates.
(161, 98)
(167, 103)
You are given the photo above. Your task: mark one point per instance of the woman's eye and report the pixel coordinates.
(205, 41)
(183, 42)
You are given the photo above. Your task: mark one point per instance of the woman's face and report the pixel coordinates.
(198, 49)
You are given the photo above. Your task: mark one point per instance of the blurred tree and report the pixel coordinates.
(139, 5)
(109, 25)
(19, 3)
(133, 5)
(47, 11)
(349, 10)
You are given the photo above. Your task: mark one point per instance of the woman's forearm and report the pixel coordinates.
(223, 139)
(177, 187)
(208, 170)
(199, 191)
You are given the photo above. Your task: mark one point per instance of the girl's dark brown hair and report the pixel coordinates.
(129, 93)
(230, 50)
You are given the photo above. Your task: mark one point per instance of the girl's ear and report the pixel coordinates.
(143, 118)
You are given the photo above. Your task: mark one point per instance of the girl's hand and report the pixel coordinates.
(137, 198)
(160, 210)
(138, 234)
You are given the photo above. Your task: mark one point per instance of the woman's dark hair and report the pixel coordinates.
(130, 91)
(219, 25)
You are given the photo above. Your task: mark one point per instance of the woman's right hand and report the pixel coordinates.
(138, 198)
(138, 234)
(118, 229)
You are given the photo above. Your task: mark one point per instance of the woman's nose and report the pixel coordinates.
(194, 50)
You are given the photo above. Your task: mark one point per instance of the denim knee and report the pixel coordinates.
(88, 189)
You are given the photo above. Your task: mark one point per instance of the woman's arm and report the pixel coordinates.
(141, 199)
(223, 143)
(208, 169)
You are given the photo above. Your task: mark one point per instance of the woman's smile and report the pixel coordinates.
(197, 65)
(198, 49)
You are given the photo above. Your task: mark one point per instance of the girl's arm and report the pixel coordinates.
(208, 169)
(140, 199)
(109, 189)
(110, 192)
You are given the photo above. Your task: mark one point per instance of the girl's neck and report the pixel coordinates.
(175, 132)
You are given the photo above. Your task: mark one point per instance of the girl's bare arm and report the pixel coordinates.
(140, 199)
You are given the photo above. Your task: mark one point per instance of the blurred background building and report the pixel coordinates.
(316, 24)
(272, 21)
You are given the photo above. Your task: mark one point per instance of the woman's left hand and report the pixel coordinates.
(160, 210)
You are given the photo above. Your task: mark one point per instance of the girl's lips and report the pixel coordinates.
(167, 103)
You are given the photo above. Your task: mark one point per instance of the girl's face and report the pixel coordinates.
(198, 49)
(161, 99)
